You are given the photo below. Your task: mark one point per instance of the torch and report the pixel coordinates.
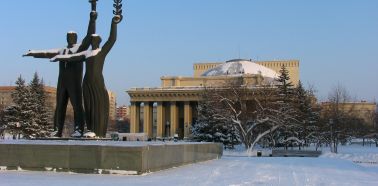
(94, 4)
(118, 9)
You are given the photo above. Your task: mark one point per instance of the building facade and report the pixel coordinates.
(363, 110)
(173, 105)
(112, 106)
(122, 113)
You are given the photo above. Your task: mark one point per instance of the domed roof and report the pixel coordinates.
(238, 67)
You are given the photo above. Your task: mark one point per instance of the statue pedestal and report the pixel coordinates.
(103, 157)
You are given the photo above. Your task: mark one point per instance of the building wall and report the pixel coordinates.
(362, 110)
(291, 65)
(112, 106)
(122, 113)
(200, 68)
(207, 81)
(6, 98)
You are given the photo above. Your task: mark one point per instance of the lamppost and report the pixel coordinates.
(167, 129)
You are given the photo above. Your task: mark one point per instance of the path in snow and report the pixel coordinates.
(227, 171)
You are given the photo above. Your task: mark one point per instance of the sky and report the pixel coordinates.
(336, 41)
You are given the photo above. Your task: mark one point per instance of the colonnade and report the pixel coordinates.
(171, 118)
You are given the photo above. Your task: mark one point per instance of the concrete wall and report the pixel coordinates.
(105, 158)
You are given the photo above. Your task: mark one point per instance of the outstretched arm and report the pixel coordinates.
(91, 30)
(43, 53)
(70, 57)
(113, 36)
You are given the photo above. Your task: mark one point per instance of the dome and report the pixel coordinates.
(238, 67)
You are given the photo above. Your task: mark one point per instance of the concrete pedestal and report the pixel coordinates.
(103, 157)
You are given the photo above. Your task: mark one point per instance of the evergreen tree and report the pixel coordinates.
(24, 100)
(20, 116)
(44, 127)
(285, 104)
(307, 116)
(285, 86)
(11, 120)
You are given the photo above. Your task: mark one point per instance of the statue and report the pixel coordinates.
(96, 99)
(70, 77)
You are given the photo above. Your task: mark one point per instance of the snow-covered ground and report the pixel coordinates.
(329, 169)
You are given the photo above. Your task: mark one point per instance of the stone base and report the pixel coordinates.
(296, 153)
(103, 157)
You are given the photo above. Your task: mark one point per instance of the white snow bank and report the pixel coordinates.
(363, 155)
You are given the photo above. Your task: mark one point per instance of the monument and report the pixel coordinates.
(70, 83)
(96, 99)
(95, 155)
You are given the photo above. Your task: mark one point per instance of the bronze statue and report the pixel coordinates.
(70, 77)
(96, 99)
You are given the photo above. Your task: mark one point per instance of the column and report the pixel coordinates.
(135, 117)
(174, 118)
(188, 119)
(160, 119)
(147, 115)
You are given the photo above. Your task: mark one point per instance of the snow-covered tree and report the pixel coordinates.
(285, 86)
(11, 120)
(209, 128)
(23, 99)
(28, 116)
(247, 110)
(307, 115)
(44, 126)
(285, 103)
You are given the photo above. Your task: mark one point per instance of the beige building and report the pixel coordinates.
(363, 110)
(112, 106)
(6, 98)
(122, 113)
(173, 105)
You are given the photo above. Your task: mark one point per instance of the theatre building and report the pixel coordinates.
(171, 109)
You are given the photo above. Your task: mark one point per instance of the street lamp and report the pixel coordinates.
(167, 131)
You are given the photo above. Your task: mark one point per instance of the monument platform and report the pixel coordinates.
(103, 157)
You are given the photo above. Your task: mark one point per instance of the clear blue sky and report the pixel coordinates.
(336, 41)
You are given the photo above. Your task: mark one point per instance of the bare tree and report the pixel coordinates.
(335, 112)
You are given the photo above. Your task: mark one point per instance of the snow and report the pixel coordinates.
(54, 51)
(238, 171)
(239, 68)
(91, 53)
(365, 156)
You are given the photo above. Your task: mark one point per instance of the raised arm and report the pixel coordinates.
(42, 53)
(112, 37)
(91, 30)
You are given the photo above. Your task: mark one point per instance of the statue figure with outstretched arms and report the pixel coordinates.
(96, 99)
(70, 77)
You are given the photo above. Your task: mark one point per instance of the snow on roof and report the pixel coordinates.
(240, 67)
